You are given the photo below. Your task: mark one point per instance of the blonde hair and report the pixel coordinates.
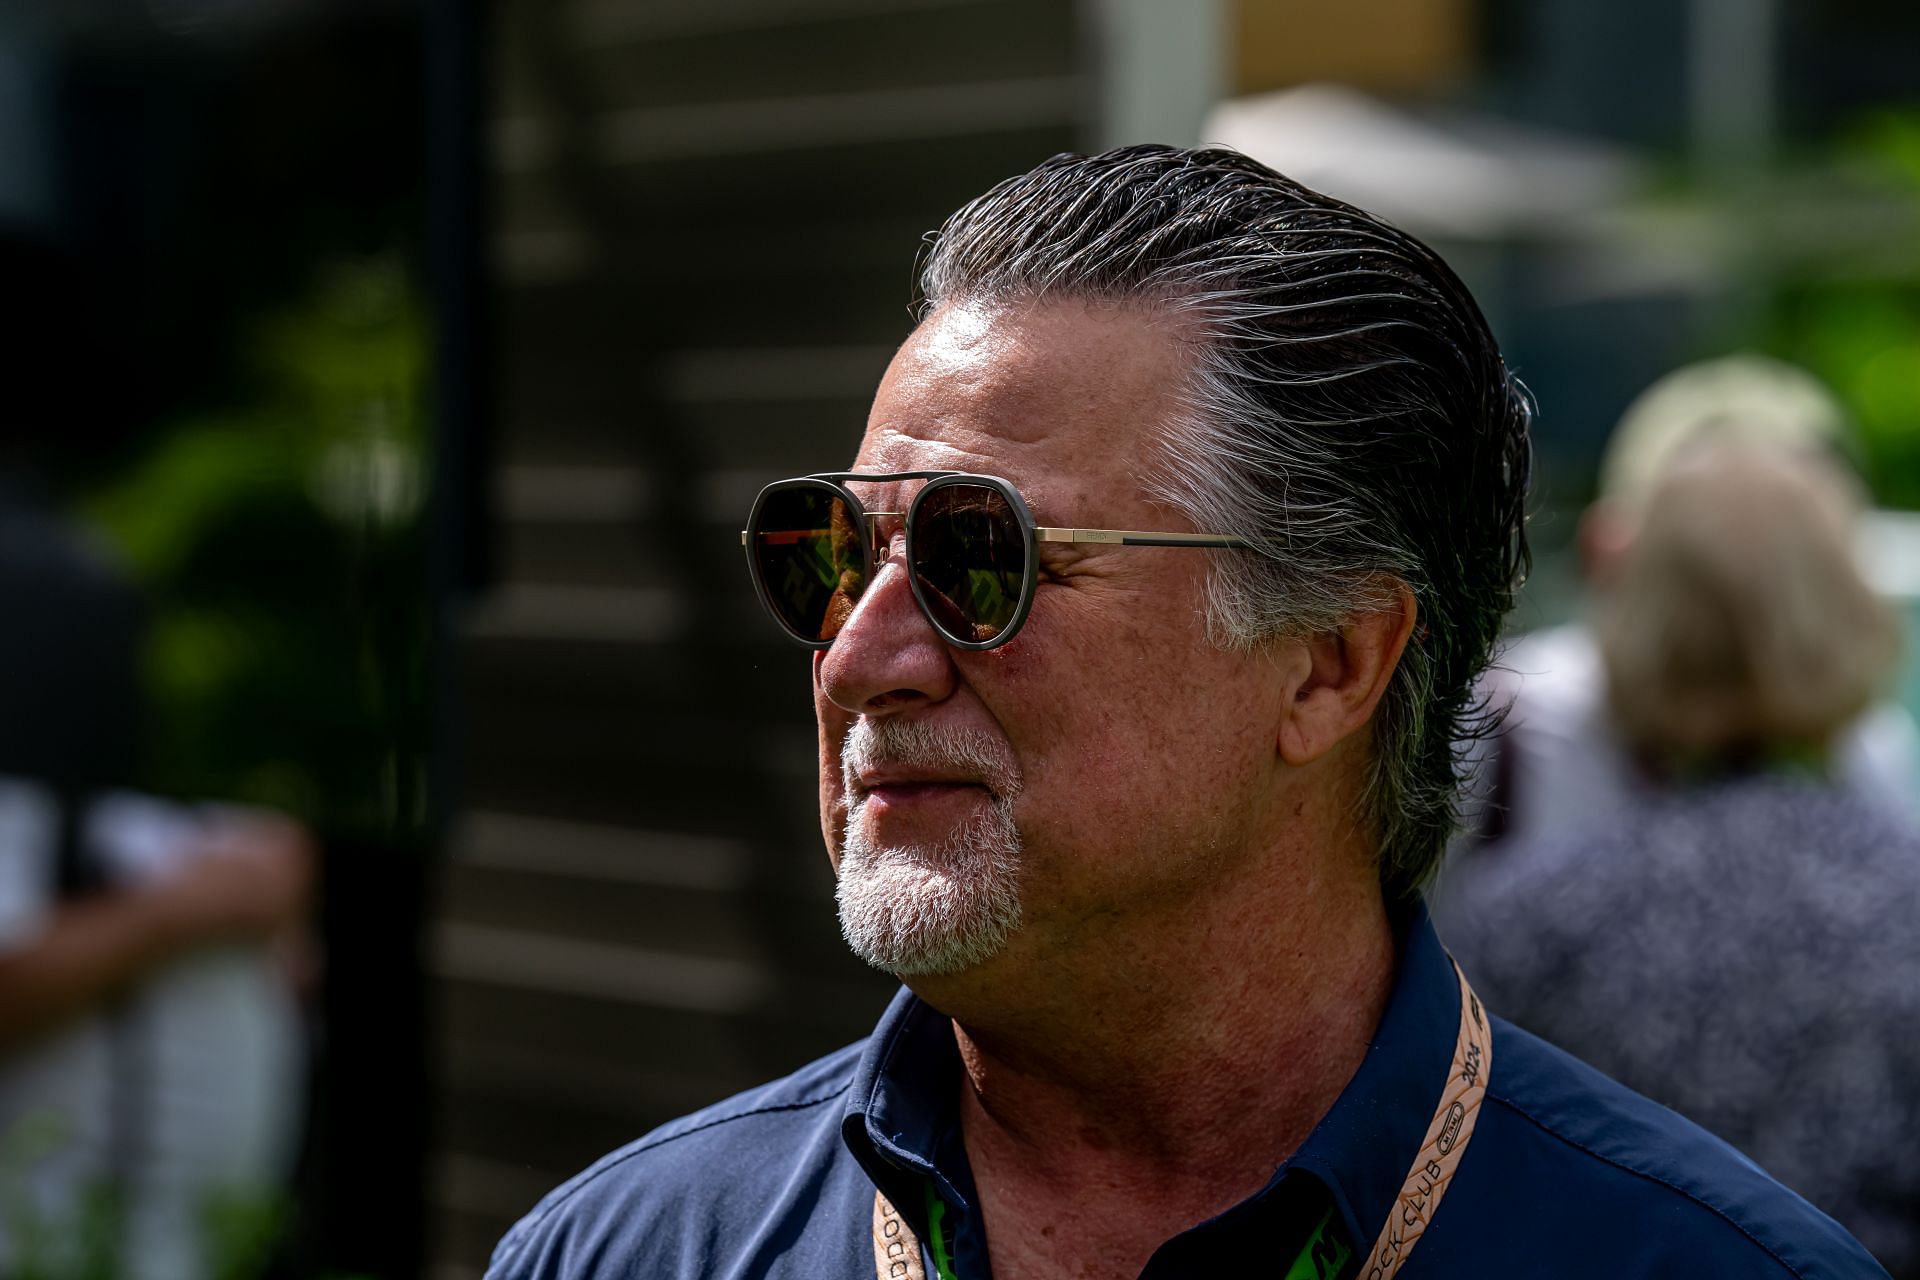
(1736, 401)
(1740, 623)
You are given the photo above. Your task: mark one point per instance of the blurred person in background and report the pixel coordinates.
(151, 1053)
(1739, 941)
(1559, 761)
(1143, 629)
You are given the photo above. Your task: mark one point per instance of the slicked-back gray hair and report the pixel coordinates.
(1348, 410)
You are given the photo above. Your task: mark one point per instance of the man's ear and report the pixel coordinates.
(1340, 676)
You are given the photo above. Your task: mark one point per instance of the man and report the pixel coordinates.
(1137, 694)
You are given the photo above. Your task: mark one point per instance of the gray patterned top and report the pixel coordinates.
(1746, 952)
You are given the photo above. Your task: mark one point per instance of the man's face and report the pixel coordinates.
(1108, 760)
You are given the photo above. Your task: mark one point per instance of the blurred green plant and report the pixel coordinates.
(1852, 313)
(238, 1228)
(1864, 341)
(83, 1244)
(282, 546)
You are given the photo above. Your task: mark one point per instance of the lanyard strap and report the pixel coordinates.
(896, 1250)
(1447, 1138)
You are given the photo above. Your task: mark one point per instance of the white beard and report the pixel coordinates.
(930, 909)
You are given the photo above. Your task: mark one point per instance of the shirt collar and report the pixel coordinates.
(901, 1114)
(902, 1111)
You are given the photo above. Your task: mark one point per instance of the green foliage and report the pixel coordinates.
(238, 1229)
(1863, 339)
(1885, 145)
(84, 1243)
(1851, 313)
(282, 545)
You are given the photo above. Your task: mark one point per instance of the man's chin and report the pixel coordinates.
(920, 911)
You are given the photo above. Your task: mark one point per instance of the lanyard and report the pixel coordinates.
(896, 1249)
(1447, 1137)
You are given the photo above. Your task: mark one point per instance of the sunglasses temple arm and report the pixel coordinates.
(1139, 538)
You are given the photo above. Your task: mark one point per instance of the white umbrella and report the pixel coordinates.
(1444, 176)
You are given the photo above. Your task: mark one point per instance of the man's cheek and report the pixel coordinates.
(833, 802)
(834, 725)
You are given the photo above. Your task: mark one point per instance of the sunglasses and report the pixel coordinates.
(972, 551)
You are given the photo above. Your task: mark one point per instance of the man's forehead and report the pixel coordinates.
(1042, 384)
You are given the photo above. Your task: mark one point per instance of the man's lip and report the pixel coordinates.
(905, 795)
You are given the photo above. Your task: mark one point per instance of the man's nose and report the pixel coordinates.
(887, 657)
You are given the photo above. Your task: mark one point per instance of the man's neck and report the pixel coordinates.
(1147, 1087)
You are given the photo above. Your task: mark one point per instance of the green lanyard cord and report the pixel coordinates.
(1324, 1256)
(937, 1234)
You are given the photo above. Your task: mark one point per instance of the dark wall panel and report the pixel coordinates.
(706, 218)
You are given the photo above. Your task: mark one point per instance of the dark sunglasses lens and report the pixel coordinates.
(806, 549)
(970, 557)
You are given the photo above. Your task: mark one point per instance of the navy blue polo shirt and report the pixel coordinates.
(1567, 1175)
